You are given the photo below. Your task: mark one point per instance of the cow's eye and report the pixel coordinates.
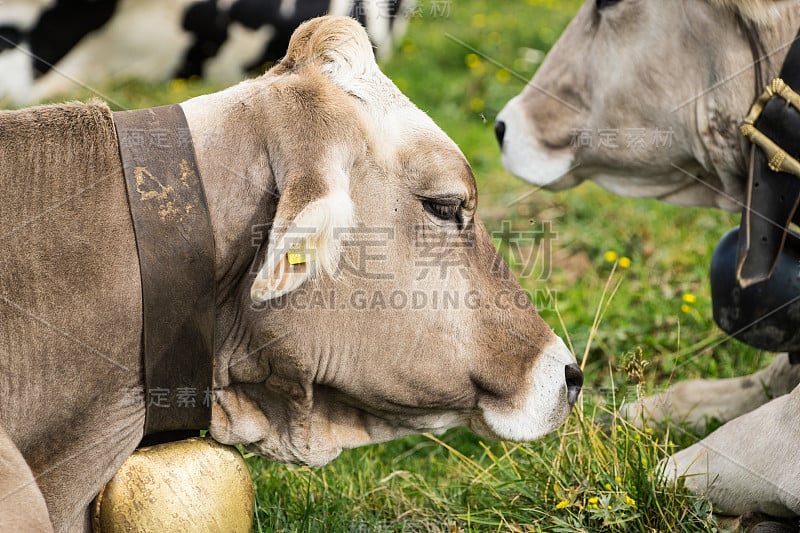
(602, 4)
(447, 210)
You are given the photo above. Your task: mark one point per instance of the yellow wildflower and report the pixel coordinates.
(476, 104)
(624, 262)
(562, 504)
(611, 256)
(686, 309)
(607, 486)
(177, 85)
(593, 500)
(478, 20)
(473, 61)
(689, 298)
(630, 501)
(503, 76)
(618, 479)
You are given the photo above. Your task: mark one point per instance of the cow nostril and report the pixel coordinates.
(500, 131)
(574, 378)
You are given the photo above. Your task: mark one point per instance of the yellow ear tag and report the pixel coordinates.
(300, 255)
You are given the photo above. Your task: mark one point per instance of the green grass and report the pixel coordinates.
(655, 322)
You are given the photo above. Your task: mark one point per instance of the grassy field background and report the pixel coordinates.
(641, 267)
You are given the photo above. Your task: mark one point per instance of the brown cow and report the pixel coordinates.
(310, 358)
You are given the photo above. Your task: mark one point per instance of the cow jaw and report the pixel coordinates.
(312, 424)
(314, 436)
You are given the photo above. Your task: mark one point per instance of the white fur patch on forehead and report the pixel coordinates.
(761, 12)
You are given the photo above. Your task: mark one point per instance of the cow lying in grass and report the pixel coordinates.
(686, 67)
(324, 147)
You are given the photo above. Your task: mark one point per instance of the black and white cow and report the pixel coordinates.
(48, 47)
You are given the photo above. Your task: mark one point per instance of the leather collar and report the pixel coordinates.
(175, 245)
(773, 191)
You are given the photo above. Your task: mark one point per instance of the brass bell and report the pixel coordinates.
(190, 485)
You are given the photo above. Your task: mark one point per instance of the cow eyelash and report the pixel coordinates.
(445, 210)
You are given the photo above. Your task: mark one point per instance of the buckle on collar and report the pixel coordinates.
(778, 159)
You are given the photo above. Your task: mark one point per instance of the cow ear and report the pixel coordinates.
(305, 240)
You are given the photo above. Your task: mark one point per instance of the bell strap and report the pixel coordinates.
(773, 192)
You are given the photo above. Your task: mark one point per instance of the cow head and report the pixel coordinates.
(378, 306)
(645, 97)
